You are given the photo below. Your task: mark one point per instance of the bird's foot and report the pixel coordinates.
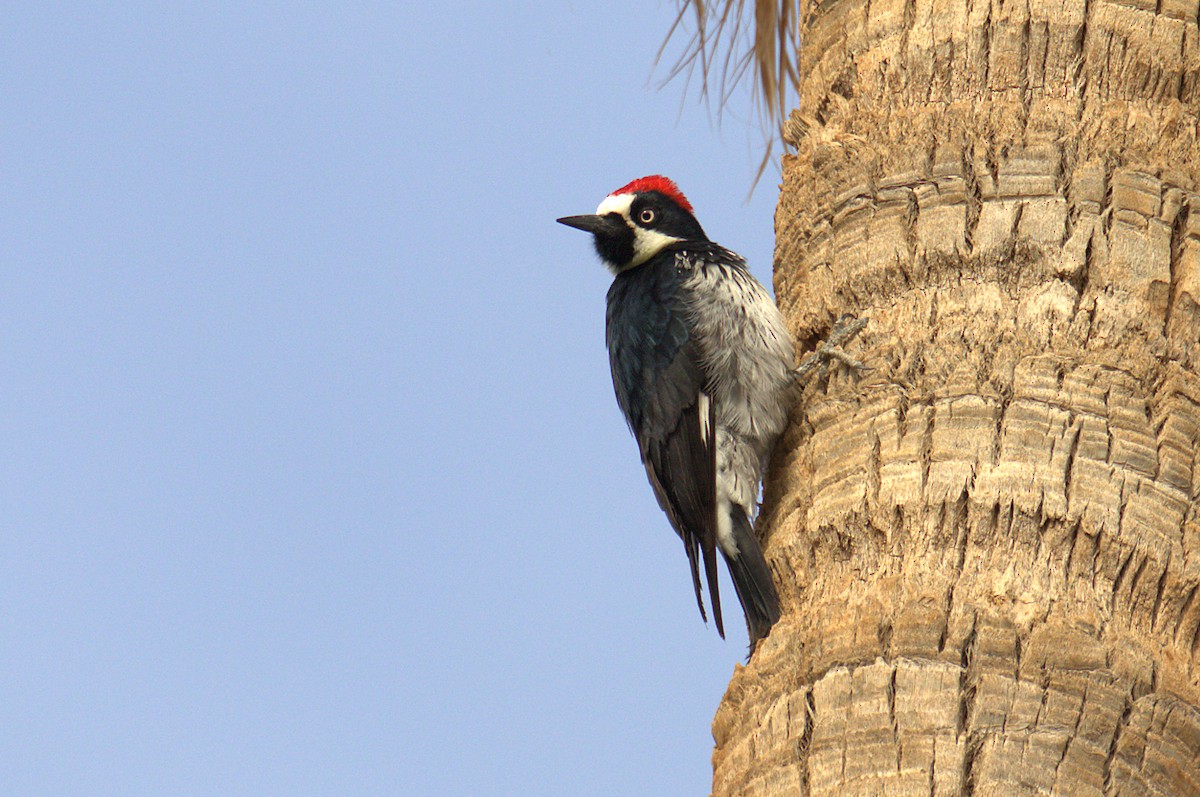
(830, 350)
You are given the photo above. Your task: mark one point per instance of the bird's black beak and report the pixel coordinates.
(598, 225)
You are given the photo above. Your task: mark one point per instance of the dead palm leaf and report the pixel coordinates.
(726, 40)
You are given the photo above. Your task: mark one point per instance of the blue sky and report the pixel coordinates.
(313, 479)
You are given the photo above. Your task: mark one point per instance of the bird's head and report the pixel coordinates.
(635, 222)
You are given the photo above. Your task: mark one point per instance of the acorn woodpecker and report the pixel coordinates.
(702, 367)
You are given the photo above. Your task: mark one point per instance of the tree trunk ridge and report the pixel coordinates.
(988, 547)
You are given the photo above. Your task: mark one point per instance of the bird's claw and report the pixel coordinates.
(830, 349)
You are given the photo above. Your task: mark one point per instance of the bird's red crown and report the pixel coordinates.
(656, 182)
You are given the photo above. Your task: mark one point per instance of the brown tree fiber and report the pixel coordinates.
(988, 547)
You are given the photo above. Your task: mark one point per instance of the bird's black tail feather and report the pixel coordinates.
(752, 580)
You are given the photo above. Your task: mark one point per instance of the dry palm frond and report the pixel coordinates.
(723, 40)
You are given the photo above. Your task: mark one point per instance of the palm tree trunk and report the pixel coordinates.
(988, 547)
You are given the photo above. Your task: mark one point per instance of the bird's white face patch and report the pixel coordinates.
(646, 243)
(616, 203)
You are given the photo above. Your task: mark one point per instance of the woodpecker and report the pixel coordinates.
(702, 367)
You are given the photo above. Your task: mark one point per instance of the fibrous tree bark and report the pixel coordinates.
(988, 546)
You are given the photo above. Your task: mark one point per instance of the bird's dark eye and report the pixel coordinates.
(647, 216)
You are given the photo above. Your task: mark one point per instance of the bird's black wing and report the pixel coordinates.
(660, 386)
